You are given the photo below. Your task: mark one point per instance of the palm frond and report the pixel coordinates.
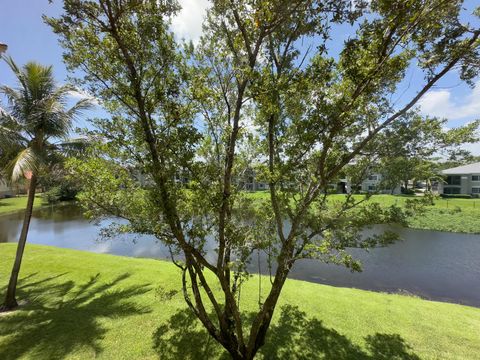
(10, 137)
(37, 109)
(15, 69)
(13, 96)
(10, 130)
(39, 80)
(73, 146)
(78, 109)
(26, 160)
(56, 121)
(64, 90)
(49, 116)
(7, 119)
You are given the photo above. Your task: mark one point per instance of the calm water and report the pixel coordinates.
(434, 265)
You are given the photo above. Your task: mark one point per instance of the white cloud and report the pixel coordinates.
(188, 23)
(77, 95)
(474, 148)
(441, 103)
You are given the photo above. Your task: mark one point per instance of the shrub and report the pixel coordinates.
(60, 193)
(456, 196)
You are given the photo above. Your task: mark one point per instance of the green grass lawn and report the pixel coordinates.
(83, 306)
(17, 204)
(455, 215)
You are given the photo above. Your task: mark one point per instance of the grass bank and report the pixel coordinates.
(454, 215)
(11, 205)
(84, 306)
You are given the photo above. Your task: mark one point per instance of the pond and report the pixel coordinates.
(430, 264)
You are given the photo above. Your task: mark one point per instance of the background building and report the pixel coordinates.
(5, 190)
(464, 180)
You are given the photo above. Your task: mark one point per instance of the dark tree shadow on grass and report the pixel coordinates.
(293, 336)
(183, 338)
(62, 317)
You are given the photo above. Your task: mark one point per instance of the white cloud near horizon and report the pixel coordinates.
(474, 148)
(80, 95)
(188, 23)
(442, 103)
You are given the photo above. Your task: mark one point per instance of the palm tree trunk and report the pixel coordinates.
(10, 299)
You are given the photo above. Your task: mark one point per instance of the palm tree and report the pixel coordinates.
(37, 115)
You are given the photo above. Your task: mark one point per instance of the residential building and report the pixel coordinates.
(248, 181)
(5, 190)
(373, 183)
(463, 180)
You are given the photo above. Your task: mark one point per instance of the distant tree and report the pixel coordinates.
(458, 157)
(56, 183)
(412, 146)
(36, 115)
(199, 109)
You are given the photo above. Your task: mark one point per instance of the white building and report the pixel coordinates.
(373, 183)
(248, 181)
(463, 180)
(5, 190)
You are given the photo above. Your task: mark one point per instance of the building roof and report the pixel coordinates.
(465, 169)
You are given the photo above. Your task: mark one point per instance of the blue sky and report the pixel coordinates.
(28, 38)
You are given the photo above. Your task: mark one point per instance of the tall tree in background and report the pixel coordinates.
(250, 92)
(458, 157)
(410, 145)
(36, 115)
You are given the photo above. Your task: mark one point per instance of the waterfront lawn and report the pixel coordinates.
(459, 220)
(18, 204)
(454, 215)
(79, 305)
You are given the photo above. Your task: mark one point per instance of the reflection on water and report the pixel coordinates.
(64, 226)
(435, 265)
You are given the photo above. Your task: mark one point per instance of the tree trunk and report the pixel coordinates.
(10, 300)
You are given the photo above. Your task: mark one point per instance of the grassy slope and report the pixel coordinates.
(84, 305)
(17, 204)
(456, 215)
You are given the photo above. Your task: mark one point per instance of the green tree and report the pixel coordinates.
(36, 115)
(412, 146)
(249, 93)
(56, 183)
(458, 157)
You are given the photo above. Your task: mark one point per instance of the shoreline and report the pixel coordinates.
(452, 219)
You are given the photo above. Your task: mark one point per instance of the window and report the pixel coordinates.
(454, 180)
(371, 187)
(451, 190)
(475, 177)
(476, 190)
(373, 178)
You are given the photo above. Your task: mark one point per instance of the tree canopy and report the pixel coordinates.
(187, 121)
